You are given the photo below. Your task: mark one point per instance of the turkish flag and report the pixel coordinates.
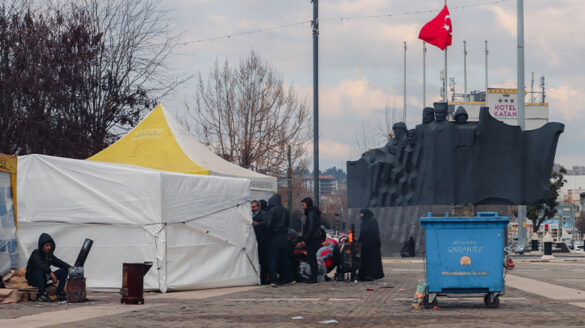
(438, 31)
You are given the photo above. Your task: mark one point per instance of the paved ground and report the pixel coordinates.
(538, 294)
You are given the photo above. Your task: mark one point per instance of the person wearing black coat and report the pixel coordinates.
(312, 235)
(293, 239)
(371, 262)
(263, 205)
(260, 218)
(276, 230)
(38, 268)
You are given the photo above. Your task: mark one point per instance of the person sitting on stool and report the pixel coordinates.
(38, 269)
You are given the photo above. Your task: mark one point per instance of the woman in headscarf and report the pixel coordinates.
(371, 264)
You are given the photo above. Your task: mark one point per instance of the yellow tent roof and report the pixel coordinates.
(160, 142)
(150, 144)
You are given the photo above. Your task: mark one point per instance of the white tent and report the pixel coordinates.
(196, 229)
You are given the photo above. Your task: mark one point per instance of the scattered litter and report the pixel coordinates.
(370, 289)
(63, 302)
(402, 290)
(385, 285)
(329, 321)
(297, 318)
(421, 290)
(436, 308)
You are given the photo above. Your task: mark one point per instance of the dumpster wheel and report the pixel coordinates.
(432, 303)
(492, 300)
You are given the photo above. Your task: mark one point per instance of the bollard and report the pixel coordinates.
(534, 242)
(548, 241)
(534, 245)
(548, 248)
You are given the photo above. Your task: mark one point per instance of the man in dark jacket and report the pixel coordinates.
(371, 263)
(312, 235)
(38, 269)
(276, 229)
(260, 219)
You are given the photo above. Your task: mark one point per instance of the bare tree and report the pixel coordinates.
(75, 74)
(131, 72)
(296, 187)
(374, 134)
(248, 116)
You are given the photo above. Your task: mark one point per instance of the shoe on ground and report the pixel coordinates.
(44, 298)
(61, 297)
(273, 285)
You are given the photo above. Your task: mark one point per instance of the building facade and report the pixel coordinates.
(327, 184)
(503, 105)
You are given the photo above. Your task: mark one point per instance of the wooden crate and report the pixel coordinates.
(28, 294)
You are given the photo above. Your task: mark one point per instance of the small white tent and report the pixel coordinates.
(196, 229)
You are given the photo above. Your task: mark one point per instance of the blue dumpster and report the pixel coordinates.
(465, 255)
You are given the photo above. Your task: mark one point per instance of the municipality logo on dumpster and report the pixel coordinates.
(465, 261)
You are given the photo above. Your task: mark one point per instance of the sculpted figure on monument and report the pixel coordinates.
(428, 115)
(386, 159)
(459, 162)
(460, 115)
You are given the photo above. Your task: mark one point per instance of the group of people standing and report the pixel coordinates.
(279, 246)
(271, 224)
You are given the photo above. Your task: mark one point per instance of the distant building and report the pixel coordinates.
(327, 184)
(577, 170)
(502, 103)
(573, 197)
(574, 183)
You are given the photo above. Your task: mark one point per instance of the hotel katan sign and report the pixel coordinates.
(503, 103)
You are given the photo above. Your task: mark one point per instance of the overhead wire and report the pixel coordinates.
(341, 19)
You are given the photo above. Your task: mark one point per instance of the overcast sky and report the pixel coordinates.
(361, 60)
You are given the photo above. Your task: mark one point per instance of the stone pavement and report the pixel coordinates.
(538, 294)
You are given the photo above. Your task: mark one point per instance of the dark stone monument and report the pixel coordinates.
(455, 163)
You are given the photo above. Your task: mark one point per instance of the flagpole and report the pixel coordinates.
(465, 72)
(424, 76)
(486, 68)
(445, 95)
(404, 87)
(521, 122)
